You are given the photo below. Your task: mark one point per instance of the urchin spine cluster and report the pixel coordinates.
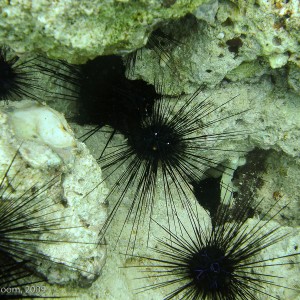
(18, 78)
(164, 142)
(25, 215)
(221, 263)
(169, 144)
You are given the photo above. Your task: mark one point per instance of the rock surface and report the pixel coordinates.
(77, 31)
(246, 39)
(77, 257)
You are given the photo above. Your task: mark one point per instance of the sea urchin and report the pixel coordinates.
(17, 77)
(171, 145)
(222, 263)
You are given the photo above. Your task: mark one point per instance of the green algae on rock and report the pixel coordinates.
(80, 30)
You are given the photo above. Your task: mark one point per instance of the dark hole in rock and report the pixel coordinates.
(228, 22)
(208, 194)
(273, 79)
(277, 41)
(249, 177)
(168, 3)
(234, 44)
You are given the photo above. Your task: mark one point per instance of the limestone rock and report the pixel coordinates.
(261, 34)
(77, 198)
(81, 30)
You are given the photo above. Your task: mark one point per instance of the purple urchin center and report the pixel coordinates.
(211, 269)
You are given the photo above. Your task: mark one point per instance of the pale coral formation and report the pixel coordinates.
(78, 198)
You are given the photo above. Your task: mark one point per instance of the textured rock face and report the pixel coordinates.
(244, 40)
(77, 257)
(79, 30)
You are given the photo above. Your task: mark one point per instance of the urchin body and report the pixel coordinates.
(18, 78)
(157, 142)
(8, 75)
(211, 270)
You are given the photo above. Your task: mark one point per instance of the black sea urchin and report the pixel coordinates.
(222, 263)
(25, 215)
(102, 93)
(17, 78)
(168, 147)
(21, 219)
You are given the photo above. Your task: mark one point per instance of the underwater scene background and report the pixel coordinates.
(149, 149)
